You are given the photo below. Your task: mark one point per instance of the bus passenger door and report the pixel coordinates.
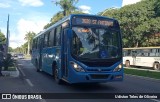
(40, 53)
(64, 53)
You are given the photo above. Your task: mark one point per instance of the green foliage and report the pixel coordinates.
(58, 16)
(22, 49)
(139, 22)
(2, 38)
(67, 6)
(29, 37)
(8, 62)
(145, 73)
(54, 19)
(10, 49)
(157, 7)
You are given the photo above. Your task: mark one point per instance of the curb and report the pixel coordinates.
(150, 70)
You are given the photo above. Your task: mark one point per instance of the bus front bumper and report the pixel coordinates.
(80, 77)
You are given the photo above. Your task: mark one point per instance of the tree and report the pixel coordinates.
(10, 49)
(157, 7)
(25, 47)
(67, 6)
(29, 37)
(139, 23)
(54, 19)
(2, 38)
(58, 16)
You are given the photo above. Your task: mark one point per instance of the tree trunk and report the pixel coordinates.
(137, 44)
(28, 48)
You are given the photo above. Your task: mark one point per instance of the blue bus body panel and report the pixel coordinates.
(49, 55)
(93, 74)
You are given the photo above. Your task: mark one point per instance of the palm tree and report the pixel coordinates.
(29, 37)
(67, 6)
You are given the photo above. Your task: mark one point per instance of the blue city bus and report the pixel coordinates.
(80, 48)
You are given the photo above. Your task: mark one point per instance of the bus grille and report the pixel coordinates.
(97, 70)
(99, 76)
(99, 64)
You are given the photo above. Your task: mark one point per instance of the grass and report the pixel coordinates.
(10, 68)
(144, 73)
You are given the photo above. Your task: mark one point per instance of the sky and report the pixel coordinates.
(33, 15)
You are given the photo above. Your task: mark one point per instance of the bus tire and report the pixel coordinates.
(127, 64)
(59, 81)
(156, 66)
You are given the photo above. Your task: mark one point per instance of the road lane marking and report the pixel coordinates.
(22, 72)
(29, 82)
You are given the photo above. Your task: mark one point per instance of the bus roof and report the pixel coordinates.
(68, 18)
(135, 48)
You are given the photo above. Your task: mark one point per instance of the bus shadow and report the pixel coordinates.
(84, 87)
(91, 87)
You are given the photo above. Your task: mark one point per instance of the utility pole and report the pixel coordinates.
(7, 40)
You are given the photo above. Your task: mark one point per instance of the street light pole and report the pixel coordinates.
(7, 40)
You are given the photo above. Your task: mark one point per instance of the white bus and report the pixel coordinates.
(142, 56)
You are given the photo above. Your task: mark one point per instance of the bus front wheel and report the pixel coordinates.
(56, 72)
(156, 66)
(127, 64)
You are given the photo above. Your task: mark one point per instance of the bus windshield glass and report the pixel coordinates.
(95, 42)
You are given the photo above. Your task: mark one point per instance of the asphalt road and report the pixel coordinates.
(31, 81)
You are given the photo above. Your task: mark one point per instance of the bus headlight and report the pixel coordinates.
(118, 68)
(77, 67)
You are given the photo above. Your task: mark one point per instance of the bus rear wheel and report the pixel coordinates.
(127, 64)
(156, 66)
(56, 73)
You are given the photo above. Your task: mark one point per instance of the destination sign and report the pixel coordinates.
(92, 21)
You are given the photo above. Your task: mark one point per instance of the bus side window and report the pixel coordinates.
(152, 52)
(134, 53)
(36, 43)
(158, 53)
(51, 38)
(48, 42)
(58, 36)
(45, 40)
(129, 53)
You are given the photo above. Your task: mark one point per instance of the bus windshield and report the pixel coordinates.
(95, 43)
